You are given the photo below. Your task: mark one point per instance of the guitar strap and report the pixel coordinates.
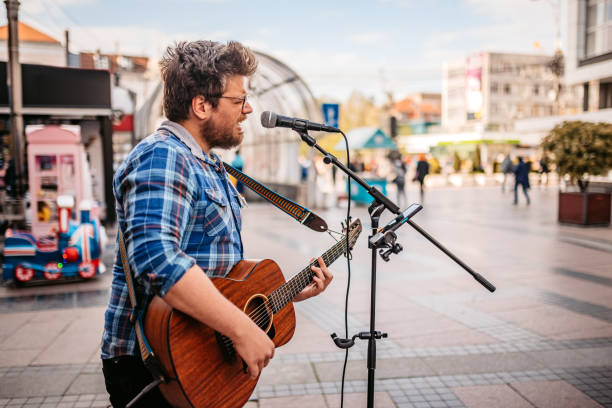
(301, 214)
(150, 360)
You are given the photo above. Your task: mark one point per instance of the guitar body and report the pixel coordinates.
(202, 371)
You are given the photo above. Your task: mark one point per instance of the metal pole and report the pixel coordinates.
(15, 96)
(67, 46)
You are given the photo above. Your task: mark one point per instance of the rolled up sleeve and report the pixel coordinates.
(156, 194)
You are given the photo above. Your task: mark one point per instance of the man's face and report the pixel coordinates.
(223, 129)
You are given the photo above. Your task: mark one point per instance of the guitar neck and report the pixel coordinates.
(285, 294)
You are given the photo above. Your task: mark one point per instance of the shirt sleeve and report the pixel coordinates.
(157, 197)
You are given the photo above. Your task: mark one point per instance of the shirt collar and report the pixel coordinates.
(187, 138)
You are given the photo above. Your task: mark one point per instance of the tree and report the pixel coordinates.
(359, 111)
(580, 149)
(456, 162)
(477, 161)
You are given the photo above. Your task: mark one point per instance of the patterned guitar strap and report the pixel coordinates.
(301, 214)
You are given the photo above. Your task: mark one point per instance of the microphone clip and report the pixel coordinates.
(306, 138)
(348, 343)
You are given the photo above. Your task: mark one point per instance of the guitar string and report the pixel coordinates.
(259, 314)
(302, 279)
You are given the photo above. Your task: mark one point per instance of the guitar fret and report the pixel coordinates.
(284, 294)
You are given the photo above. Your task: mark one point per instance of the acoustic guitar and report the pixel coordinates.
(202, 366)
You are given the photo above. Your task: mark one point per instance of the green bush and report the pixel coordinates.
(580, 149)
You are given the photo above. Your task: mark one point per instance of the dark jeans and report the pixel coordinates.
(525, 188)
(125, 377)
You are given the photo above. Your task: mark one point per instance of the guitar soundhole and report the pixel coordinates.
(259, 311)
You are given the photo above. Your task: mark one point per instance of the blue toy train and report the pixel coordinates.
(73, 250)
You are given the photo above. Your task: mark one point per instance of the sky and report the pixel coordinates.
(337, 47)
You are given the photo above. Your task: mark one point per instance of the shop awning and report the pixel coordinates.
(367, 138)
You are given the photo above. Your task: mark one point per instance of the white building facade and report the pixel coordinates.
(588, 61)
(490, 91)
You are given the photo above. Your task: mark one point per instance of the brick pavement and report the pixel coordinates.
(544, 339)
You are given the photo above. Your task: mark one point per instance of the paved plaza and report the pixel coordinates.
(543, 339)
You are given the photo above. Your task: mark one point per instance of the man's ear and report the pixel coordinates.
(200, 107)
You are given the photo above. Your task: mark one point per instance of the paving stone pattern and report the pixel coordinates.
(543, 339)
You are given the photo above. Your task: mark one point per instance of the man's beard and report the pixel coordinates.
(217, 136)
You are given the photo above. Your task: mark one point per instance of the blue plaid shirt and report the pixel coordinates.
(176, 207)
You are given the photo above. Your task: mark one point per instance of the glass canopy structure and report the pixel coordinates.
(272, 154)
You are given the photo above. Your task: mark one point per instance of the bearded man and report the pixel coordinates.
(180, 215)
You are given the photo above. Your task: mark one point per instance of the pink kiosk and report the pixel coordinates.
(57, 167)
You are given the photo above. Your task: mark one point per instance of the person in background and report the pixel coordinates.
(422, 170)
(507, 167)
(399, 168)
(357, 164)
(544, 170)
(521, 177)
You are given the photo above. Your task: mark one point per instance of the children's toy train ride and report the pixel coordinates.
(74, 251)
(59, 244)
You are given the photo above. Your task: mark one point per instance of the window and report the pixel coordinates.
(101, 62)
(507, 89)
(598, 31)
(494, 87)
(536, 90)
(605, 95)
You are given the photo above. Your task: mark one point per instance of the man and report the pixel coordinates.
(180, 215)
(521, 177)
(507, 168)
(422, 170)
(399, 170)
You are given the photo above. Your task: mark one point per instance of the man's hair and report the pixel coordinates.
(197, 68)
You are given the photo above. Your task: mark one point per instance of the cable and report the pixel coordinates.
(348, 282)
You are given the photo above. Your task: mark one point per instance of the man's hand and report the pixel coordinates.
(255, 348)
(320, 281)
(196, 295)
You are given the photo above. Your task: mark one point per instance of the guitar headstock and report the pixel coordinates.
(354, 231)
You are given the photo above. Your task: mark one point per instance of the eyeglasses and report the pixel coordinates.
(236, 98)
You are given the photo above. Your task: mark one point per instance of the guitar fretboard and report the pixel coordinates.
(284, 294)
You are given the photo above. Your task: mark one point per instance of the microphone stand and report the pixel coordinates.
(376, 208)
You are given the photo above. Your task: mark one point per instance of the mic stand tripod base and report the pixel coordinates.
(375, 209)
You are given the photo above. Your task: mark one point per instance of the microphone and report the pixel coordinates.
(271, 119)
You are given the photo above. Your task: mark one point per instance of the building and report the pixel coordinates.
(588, 68)
(588, 61)
(416, 113)
(55, 94)
(35, 47)
(490, 91)
(133, 84)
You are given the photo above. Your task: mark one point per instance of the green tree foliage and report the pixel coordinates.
(476, 162)
(580, 149)
(456, 162)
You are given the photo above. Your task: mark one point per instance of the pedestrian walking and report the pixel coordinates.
(507, 167)
(422, 170)
(399, 168)
(521, 175)
(544, 170)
